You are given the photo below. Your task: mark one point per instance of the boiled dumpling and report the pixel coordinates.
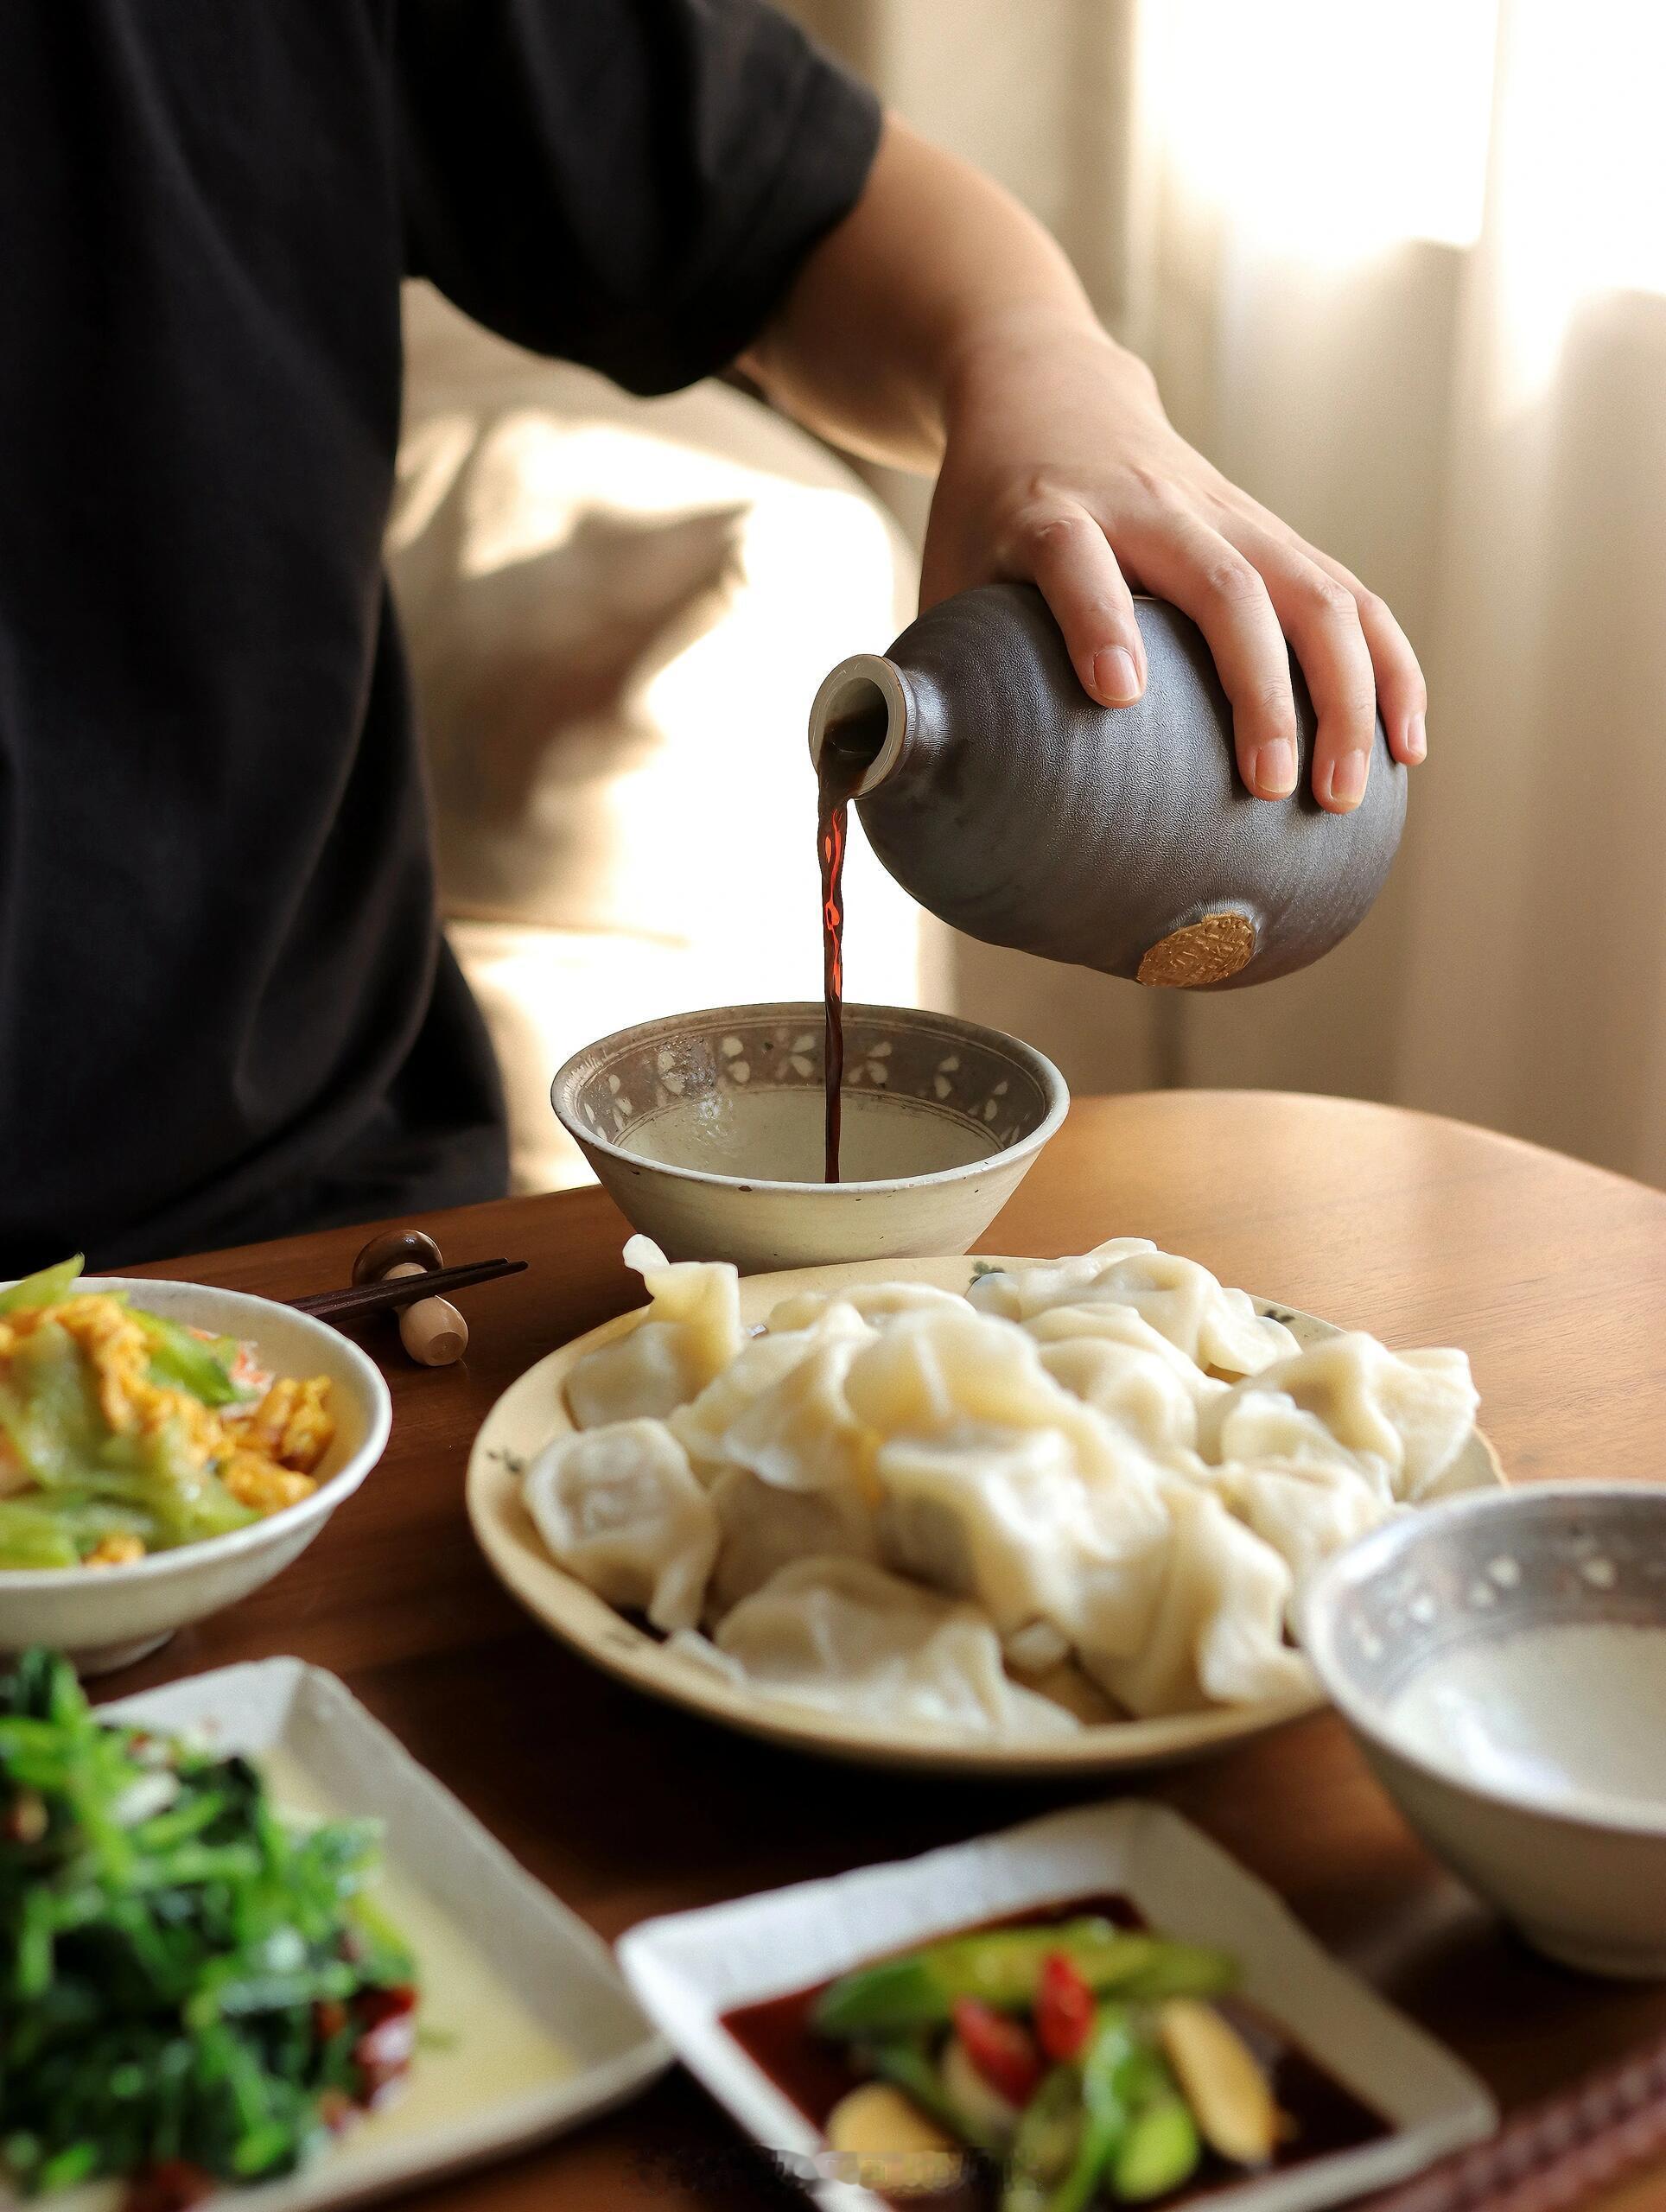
(1216, 1328)
(1107, 1473)
(643, 1375)
(763, 1528)
(1253, 1424)
(1138, 1393)
(1038, 1648)
(1217, 1628)
(1402, 1417)
(619, 1507)
(1233, 1338)
(877, 1302)
(1123, 1325)
(1008, 1516)
(997, 1485)
(801, 1434)
(930, 1370)
(845, 1637)
(1015, 1294)
(697, 1650)
(1303, 1513)
(1067, 1686)
(932, 1373)
(689, 1334)
(796, 1478)
(701, 1425)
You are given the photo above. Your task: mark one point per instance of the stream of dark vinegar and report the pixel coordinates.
(840, 770)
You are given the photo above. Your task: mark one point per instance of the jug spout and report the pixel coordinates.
(867, 706)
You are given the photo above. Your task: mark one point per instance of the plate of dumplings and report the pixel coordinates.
(996, 1517)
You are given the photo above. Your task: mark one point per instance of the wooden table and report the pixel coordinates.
(1551, 1275)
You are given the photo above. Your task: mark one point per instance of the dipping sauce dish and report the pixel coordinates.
(1501, 1660)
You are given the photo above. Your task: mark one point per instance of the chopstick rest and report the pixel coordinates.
(433, 1332)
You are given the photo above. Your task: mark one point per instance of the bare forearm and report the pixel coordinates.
(933, 261)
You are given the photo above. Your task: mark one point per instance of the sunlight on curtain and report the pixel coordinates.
(1328, 131)
(1581, 180)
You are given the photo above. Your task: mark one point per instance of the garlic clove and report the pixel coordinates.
(1230, 2095)
(886, 2143)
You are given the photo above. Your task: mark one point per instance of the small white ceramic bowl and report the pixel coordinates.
(1528, 1753)
(107, 1617)
(706, 1129)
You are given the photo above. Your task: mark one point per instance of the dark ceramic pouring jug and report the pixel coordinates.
(1121, 838)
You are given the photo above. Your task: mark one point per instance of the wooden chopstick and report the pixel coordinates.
(1554, 2154)
(357, 1299)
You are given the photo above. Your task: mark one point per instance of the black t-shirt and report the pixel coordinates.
(225, 1008)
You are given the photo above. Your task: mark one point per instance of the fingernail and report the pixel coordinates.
(1115, 677)
(1417, 742)
(1275, 768)
(1348, 779)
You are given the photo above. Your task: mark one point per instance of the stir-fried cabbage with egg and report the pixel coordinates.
(123, 1432)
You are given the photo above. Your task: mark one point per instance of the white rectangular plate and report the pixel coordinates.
(690, 1968)
(586, 2046)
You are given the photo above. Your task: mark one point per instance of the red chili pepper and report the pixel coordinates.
(1001, 2050)
(387, 2040)
(371, 2006)
(170, 2185)
(1064, 2007)
(26, 1818)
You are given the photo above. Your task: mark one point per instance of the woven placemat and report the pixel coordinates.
(1557, 2153)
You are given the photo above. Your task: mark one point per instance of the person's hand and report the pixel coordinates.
(939, 326)
(1060, 468)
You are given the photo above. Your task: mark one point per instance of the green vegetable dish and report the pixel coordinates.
(1050, 2066)
(192, 1992)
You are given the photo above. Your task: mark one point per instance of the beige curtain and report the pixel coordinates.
(1401, 267)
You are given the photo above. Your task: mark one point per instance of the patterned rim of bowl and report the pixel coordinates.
(1378, 1557)
(798, 1019)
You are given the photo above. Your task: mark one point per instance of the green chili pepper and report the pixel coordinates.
(1159, 2150)
(1045, 2146)
(1002, 1969)
(1111, 2070)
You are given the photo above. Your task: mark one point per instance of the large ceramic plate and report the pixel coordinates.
(534, 1410)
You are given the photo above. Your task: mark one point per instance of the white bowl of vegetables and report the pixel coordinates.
(165, 1448)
